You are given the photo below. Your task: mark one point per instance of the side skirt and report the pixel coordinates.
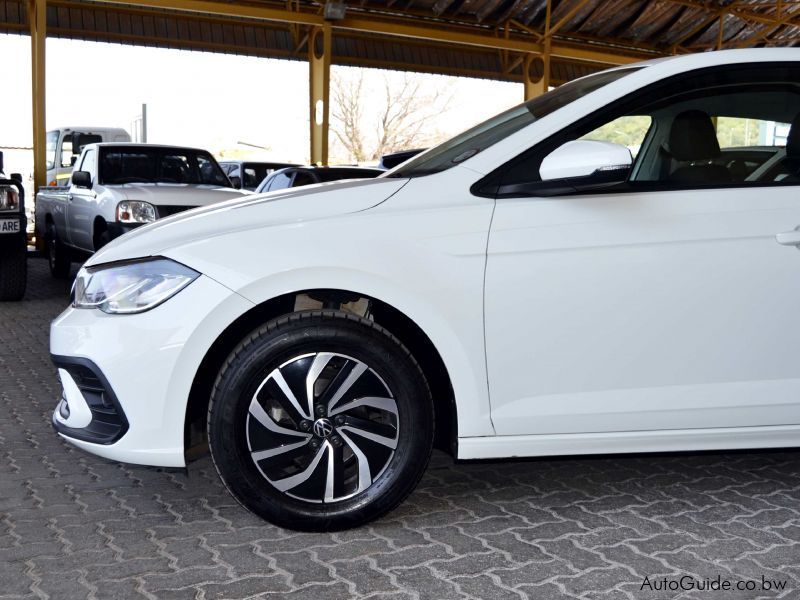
(678, 440)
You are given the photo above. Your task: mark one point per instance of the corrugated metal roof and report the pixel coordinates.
(639, 26)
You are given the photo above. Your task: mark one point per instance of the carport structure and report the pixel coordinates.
(539, 43)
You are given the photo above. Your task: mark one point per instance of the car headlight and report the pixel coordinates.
(130, 287)
(135, 211)
(9, 198)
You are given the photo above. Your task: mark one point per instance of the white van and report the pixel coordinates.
(64, 145)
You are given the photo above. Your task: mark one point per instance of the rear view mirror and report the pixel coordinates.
(82, 179)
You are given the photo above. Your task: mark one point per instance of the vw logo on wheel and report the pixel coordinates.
(323, 428)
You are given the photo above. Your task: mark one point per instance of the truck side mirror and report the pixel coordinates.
(82, 179)
(16, 177)
(236, 181)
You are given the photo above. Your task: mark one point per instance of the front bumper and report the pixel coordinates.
(134, 372)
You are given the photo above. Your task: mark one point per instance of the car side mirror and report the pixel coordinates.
(589, 162)
(236, 181)
(82, 179)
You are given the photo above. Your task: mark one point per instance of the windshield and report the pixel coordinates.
(159, 165)
(50, 152)
(488, 133)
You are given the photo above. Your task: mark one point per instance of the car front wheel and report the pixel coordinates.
(320, 420)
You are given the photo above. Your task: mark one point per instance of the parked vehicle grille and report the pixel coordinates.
(166, 211)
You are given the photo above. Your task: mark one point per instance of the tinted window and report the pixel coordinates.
(253, 174)
(159, 165)
(303, 178)
(334, 174)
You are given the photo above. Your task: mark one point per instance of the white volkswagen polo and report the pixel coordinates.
(612, 266)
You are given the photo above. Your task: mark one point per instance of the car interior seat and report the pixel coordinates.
(693, 145)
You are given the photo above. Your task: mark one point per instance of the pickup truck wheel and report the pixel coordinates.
(58, 255)
(13, 271)
(319, 421)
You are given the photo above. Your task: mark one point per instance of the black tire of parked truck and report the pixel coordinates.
(58, 255)
(13, 269)
(361, 452)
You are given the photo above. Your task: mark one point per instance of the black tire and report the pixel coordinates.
(13, 270)
(342, 489)
(58, 255)
(101, 240)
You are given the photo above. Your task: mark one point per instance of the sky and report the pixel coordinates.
(201, 99)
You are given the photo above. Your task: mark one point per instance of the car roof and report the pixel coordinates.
(135, 145)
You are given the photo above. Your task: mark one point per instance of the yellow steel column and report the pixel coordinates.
(534, 88)
(319, 64)
(37, 19)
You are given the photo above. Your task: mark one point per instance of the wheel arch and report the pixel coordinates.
(394, 320)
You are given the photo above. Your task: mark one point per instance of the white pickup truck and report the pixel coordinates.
(117, 187)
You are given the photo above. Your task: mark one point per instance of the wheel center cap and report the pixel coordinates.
(323, 428)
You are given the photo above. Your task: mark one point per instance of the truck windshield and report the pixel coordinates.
(488, 133)
(50, 152)
(159, 165)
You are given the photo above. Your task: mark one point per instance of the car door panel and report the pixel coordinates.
(643, 311)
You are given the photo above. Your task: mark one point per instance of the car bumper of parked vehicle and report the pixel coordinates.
(126, 378)
(117, 229)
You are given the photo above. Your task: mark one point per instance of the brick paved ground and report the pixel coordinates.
(75, 526)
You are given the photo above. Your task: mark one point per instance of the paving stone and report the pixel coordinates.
(76, 526)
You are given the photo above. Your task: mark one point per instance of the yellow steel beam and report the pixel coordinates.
(37, 20)
(780, 21)
(435, 31)
(319, 66)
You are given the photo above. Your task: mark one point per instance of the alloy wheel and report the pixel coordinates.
(322, 427)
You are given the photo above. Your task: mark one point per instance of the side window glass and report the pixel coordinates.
(628, 131)
(89, 162)
(66, 151)
(281, 181)
(715, 127)
(748, 144)
(303, 178)
(52, 144)
(250, 178)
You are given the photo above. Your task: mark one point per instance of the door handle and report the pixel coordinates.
(788, 238)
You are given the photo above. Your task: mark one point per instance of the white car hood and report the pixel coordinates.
(251, 212)
(176, 194)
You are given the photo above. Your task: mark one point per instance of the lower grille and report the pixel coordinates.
(108, 422)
